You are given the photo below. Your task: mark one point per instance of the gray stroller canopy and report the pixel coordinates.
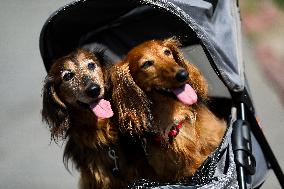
(122, 24)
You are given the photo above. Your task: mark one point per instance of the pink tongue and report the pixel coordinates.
(102, 109)
(186, 94)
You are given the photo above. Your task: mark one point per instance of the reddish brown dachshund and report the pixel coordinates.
(161, 98)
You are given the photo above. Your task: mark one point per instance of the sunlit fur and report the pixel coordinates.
(142, 109)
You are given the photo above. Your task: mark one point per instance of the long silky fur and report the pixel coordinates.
(130, 102)
(53, 113)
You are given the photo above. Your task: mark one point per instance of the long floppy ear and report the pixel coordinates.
(130, 102)
(196, 78)
(54, 111)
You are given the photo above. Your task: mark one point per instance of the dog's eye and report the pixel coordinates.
(68, 75)
(91, 66)
(147, 64)
(167, 52)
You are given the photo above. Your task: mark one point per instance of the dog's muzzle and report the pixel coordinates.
(93, 90)
(181, 75)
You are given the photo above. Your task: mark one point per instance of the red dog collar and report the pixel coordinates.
(174, 131)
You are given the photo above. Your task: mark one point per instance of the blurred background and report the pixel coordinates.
(263, 26)
(28, 160)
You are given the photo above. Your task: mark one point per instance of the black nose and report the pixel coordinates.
(182, 75)
(93, 90)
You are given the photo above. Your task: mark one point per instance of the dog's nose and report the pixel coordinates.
(182, 75)
(93, 90)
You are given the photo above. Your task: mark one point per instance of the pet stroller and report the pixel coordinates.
(209, 31)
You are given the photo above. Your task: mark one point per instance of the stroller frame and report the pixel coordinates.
(241, 141)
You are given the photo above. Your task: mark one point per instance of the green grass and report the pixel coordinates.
(280, 3)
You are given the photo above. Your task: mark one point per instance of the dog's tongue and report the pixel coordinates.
(186, 94)
(102, 109)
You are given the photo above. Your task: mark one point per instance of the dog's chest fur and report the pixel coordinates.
(181, 158)
(168, 111)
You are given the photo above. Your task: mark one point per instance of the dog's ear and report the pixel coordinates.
(54, 111)
(130, 102)
(198, 82)
(55, 97)
(196, 78)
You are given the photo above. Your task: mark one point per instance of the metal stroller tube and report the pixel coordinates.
(241, 144)
(245, 161)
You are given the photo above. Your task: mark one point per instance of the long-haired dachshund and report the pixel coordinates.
(161, 99)
(75, 108)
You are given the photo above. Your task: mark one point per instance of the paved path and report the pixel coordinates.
(269, 109)
(27, 160)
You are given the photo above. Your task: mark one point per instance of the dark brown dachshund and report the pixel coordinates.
(160, 97)
(75, 108)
